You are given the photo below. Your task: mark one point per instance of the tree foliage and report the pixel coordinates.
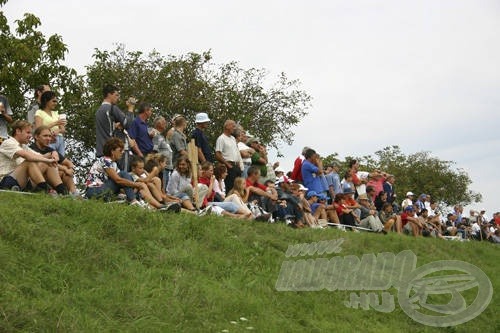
(193, 83)
(28, 59)
(422, 173)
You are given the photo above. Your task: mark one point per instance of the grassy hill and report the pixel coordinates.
(70, 265)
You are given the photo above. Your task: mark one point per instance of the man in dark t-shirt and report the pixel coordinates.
(200, 139)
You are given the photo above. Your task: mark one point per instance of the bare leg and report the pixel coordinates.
(187, 204)
(68, 181)
(332, 215)
(51, 174)
(388, 224)
(27, 170)
(144, 190)
(155, 191)
(399, 224)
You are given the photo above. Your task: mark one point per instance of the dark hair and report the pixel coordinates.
(111, 145)
(338, 197)
(109, 89)
(135, 161)
(151, 163)
(370, 188)
(219, 170)
(352, 162)
(143, 107)
(385, 205)
(39, 90)
(253, 170)
(309, 153)
(46, 97)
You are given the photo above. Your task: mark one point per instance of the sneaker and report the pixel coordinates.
(15, 188)
(172, 207)
(263, 217)
(205, 211)
(140, 203)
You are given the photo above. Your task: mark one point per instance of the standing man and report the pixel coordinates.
(200, 139)
(259, 157)
(5, 117)
(19, 164)
(389, 188)
(162, 146)
(108, 114)
(139, 131)
(333, 179)
(178, 141)
(36, 104)
(227, 153)
(312, 170)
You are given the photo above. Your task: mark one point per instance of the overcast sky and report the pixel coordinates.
(424, 75)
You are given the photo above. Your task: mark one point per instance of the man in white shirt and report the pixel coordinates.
(18, 163)
(245, 151)
(227, 153)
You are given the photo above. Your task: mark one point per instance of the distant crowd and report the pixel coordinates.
(147, 163)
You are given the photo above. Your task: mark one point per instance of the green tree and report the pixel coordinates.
(422, 173)
(28, 59)
(192, 83)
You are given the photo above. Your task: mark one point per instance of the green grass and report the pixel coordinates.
(70, 265)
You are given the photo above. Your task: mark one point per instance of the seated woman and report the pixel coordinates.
(105, 178)
(239, 196)
(220, 173)
(179, 183)
(43, 136)
(220, 208)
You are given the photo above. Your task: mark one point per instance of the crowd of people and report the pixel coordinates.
(146, 162)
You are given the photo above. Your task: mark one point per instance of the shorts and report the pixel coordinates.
(182, 196)
(8, 182)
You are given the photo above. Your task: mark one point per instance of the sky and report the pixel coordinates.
(423, 75)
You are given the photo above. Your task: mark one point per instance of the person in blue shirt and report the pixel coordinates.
(312, 170)
(140, 133)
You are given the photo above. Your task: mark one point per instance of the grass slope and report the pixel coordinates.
(87, 266)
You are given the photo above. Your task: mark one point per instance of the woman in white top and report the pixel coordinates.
(49, 117)
(239, 196)
(220, 172)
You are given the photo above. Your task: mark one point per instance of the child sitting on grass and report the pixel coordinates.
(153, 182)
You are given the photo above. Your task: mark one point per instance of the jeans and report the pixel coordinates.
(227, 206)
(59, 145)
(110, 187)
